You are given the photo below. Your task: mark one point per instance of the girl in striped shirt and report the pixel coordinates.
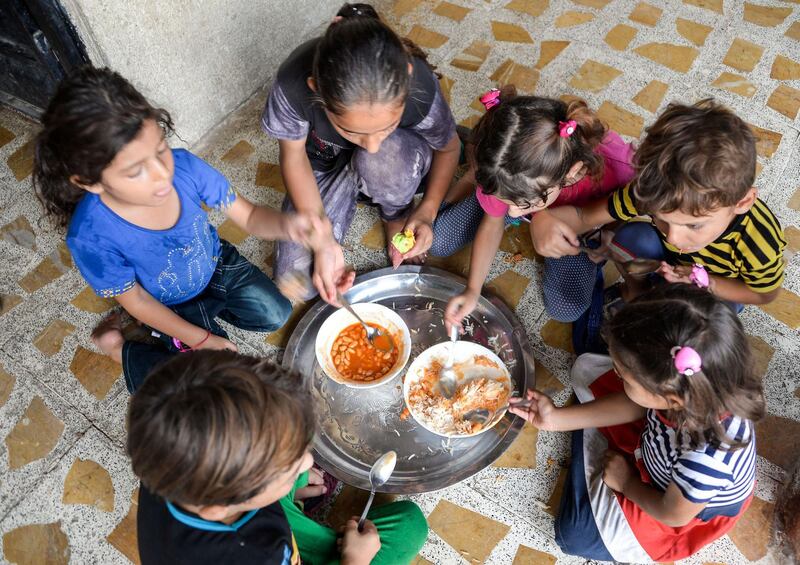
(663, 452)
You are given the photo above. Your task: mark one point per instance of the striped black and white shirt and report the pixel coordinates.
(704, 474)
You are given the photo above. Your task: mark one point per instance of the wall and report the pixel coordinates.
(199, 59)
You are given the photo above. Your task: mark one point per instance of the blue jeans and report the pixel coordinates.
(238, 292)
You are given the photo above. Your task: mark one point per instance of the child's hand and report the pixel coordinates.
(540, 412)
(316, 485)
(458, 308)
(552, 237)
(308, 229)
(216, 342)
(330, 274)
(675, 274)
(359, 547)
(616, 471)
(423, 238)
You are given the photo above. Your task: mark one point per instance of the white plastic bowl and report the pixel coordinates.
(369, 312)
(464, 353)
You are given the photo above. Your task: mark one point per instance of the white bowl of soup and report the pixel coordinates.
(345, 354)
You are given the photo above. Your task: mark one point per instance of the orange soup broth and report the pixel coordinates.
(357, 360)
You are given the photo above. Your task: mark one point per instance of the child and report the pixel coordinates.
(220, 442)
(136, 229)
(360, 111)
(663, 456)
(695, 174)
(528, 154)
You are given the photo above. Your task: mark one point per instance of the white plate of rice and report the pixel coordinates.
(483, 382)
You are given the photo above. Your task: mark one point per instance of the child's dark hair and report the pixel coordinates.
(360, 59)
(215, 427)
(695, 159)
(91, 116)
(642, 334)
(519, 154)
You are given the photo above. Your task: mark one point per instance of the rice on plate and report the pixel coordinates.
(483, 381)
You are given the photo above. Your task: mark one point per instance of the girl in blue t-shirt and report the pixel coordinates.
(137, 230)
(664, 452)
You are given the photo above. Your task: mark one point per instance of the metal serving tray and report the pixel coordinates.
(357, 425)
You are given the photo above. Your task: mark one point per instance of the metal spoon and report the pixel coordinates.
(483, 415)
(381, 470)
(447, 375)
(386, 344)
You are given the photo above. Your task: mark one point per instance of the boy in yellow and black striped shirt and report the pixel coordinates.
(695, 173)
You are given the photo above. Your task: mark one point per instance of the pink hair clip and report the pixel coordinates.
(699, 276)
(566, 129)
(687, 360)
(490, 99)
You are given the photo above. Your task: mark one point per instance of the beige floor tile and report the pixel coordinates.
(794, 31)
(779, 440)
(36, 544)
(510, 286)
(238, 153)
(8, 301)
(650, 96)
(403, 7)
(268, 174)
(19, 232)
(549, 50)
(676, 57)
(7, 382)
(530, 7)
(471, 534)
(620, 36)
(6, 136)
(736, 84)
(598, 4)
(51, 338)
(785, 308)
(87, 482)
(752, 532)
(557, 334)
(572, 18)
(88, 301)
(762, 355)
(123, 537)
(743, 55)
(646, 14)
(35, 435)
(786, 100)
(621, 120)
(231, 232)
(521, 454)
(767, 141)
(426, 38)
(767, 16)
(695, 32)
(593, 76)
(714, 5)
(95, 371)
(784, 68)
(471, 58)
(555, 497)
(452, 11)
(512, 33)
(510, 72)
(792, 238)
(529, 556)
(21, 161)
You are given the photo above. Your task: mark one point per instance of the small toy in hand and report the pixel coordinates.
(403, 241)
(699, 276)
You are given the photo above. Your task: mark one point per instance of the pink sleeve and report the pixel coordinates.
(490, 204)
(618, 155)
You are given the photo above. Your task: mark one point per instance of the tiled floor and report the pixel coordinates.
(67, 490)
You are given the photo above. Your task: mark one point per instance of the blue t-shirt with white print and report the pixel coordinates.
(173, 265)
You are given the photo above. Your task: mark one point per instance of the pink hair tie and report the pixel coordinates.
(687, 360)
(566, 129)
(699, 276)
(490, 99)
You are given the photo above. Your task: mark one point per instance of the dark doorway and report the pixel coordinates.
(38, 45)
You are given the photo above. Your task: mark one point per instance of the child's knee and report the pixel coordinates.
(415, 523)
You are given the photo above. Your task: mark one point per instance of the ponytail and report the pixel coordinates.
(361, 60)
(520, 153)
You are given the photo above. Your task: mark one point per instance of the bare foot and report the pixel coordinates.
(108, 338)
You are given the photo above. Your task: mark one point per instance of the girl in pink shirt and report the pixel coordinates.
(526, 154)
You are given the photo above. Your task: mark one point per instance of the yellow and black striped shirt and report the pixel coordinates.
(751, 249)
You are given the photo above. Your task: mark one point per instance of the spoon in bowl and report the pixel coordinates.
(375, 336)
(380, 472)
(484, 415)
(447, 375)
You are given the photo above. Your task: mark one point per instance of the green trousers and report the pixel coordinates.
(401, 525)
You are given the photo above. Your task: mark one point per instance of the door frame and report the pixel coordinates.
(57, 43)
